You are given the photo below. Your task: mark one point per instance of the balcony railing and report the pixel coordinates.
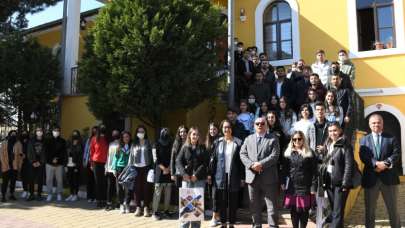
(74, 75)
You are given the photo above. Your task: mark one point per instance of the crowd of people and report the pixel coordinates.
(286, 139)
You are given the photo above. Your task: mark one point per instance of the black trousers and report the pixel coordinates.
(9, 177)
(26, 171)
(110, 187)
(90, 184)
(143, 189)
(37, 177)
(73, 175)
(100, 180)
(226, 203)
(337, 199)
(299, 219)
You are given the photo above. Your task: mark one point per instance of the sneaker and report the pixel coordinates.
(214, 222)
(74, 198)
(59, 197)
(69, 198)
(24, 194)
(31, 198)
(126, 208)
(49, 198)
(156, 216)
(146, 212)
(167, 214)
(123, 209)
(138, 211)
(28, 195)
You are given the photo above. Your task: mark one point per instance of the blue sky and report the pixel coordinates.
(56, 12)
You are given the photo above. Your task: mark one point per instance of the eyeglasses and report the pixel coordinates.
(260, 124)
(296, 139)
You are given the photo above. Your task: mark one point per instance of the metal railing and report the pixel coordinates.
(74, 75)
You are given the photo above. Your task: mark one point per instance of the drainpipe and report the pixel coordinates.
(231, 54)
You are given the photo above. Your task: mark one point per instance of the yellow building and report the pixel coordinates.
(290, 30)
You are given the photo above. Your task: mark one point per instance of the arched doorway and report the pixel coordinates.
(393, 127)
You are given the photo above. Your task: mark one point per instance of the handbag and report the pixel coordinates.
(150, 178)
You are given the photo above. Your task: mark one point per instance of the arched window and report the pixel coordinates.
(277, 31)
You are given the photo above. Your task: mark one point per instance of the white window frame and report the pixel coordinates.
(353, 33)
(259, 14)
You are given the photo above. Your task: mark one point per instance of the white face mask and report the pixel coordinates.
(140, 135)
(39, 133)
(55, 134)
(251, 101)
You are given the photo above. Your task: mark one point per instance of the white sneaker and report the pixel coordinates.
(24, 194)
(59, 197)
(74, 198)
(214, 223)
(49, 198)
(28, 195)
(122, 209)
(69, 198)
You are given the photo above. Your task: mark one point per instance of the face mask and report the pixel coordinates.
(55, 134)
(39, 133)
(251, 101)
(140, 135)
(240, 49)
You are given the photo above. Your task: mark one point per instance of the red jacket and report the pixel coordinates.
(98, 149)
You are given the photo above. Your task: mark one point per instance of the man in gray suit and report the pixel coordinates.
(259, 153)
(380, 151)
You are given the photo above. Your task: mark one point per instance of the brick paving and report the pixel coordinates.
(22, 214)
(356, 217)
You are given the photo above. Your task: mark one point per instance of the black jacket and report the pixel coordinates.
(76, 152)
(301, 172)
(36, 151)
(390, 154)
(56, 148)
(173, 156)
(162, 158)
(344, 99)
(287, 90)
(193, 161)
(238, 130)
(342, 161)
(237, 170)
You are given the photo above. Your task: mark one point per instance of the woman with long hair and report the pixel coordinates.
(227, 172)
(192, 164)
(142, 158)
(211, 137)
(98, 158)
(74, 164)
(299, 179)
(333, 111)
(110, 173)
(287, 115)
(336, 172)
(120, 161)
(262, 110)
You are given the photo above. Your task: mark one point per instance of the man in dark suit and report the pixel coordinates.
(244, 75)
(283, 87)
(259, 153)
(379, 152)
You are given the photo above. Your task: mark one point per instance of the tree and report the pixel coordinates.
(21, 8)
(30, 78)
(148, 57)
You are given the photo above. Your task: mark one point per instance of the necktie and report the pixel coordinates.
(378, 146)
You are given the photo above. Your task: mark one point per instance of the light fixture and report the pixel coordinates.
(242, 15)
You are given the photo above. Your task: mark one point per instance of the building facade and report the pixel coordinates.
(372, 31)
